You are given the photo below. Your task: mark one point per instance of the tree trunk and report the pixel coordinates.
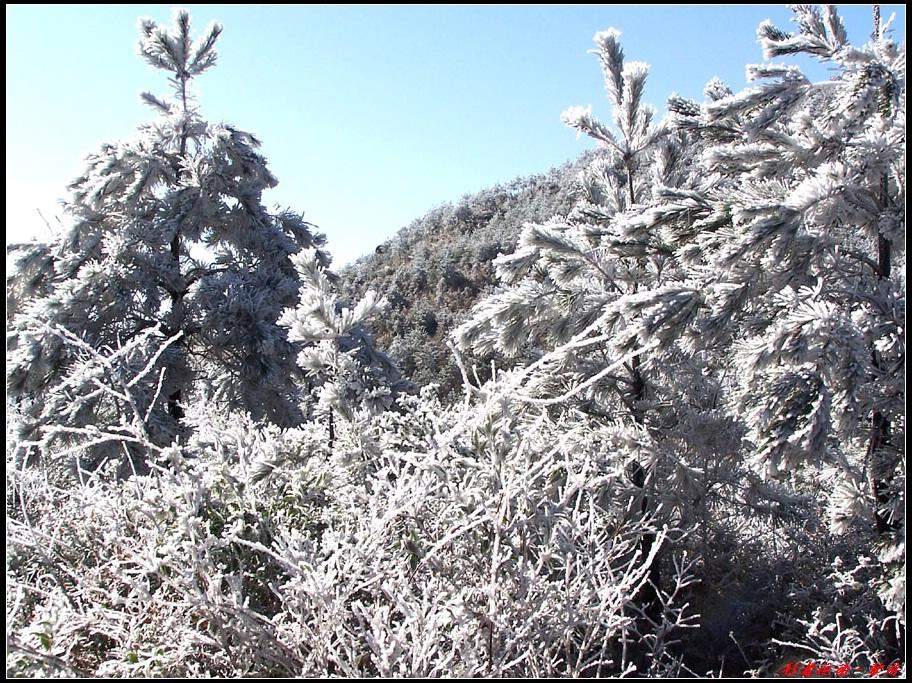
(177, 294)
(177, 315)
(879, 441)
(639, 475)
(638, 478)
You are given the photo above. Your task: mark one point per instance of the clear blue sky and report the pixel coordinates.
(369, 115)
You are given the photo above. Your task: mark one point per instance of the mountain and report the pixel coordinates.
(435, 269)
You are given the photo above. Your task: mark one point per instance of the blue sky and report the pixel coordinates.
(369, 115)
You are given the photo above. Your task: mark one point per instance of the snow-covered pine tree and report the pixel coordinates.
(565, 297)
(794, 246)
(564, 273)
(346, 372)
(28, 270)
(168, 229)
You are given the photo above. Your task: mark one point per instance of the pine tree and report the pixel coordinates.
(168, 230)
(30, 266)
(572, 289)
(794, 247)
(345, 371)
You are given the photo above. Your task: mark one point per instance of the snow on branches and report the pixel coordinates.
(696, 444)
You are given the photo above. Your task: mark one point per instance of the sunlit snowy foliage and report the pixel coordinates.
(686, 459)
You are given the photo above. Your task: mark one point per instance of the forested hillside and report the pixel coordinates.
(435, 269)
(683, 453)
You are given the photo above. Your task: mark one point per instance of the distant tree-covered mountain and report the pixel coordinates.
(436, 268)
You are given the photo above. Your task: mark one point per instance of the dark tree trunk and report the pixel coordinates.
(653, 603)
(879, 441)
(177, 294)
(638, 478)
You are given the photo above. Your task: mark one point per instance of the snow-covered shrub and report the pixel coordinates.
(425, 542)
(103, 407)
